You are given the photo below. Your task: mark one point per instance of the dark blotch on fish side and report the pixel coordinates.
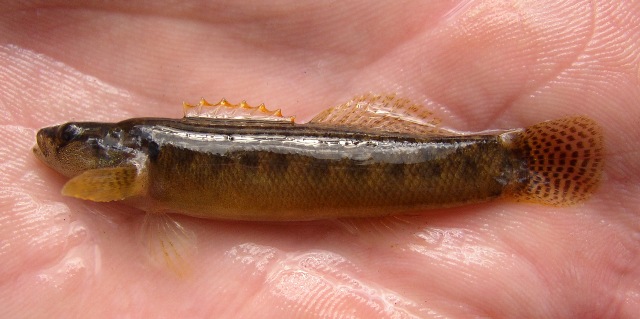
(319, 168)
(249, 159)
(154, 150)
(434, 170)
(470, 165)
(356, 169)
(278, 163)
(396, 170)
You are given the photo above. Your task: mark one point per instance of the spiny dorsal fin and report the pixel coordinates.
(383, 112)
(226, 110)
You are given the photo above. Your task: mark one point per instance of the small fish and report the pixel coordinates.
(372, 156)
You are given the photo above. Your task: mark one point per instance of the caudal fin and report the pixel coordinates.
(565, 161)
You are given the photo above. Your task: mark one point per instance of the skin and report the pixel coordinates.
(478, 64)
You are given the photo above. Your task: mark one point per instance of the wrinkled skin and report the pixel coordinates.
(479, 64)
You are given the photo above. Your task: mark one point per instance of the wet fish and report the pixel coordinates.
(372, 156)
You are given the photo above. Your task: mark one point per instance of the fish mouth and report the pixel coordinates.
(41, 149)
(37, 152)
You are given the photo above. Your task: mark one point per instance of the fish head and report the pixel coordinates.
(76, 147)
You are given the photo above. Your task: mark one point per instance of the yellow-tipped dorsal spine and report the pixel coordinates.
(225, 109)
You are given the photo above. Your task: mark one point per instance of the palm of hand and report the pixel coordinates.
(481, 65)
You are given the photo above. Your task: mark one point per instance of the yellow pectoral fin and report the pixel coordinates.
(106, 184)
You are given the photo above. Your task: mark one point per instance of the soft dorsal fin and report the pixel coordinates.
(226, 110)
(383, 112)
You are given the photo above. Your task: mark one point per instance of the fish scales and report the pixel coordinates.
(258, 171)
(372, 156)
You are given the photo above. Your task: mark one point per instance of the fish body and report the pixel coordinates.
(373, 156)
(281, 171)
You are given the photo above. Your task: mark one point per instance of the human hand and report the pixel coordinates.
(480, 65)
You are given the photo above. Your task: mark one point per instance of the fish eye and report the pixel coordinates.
(68, 132)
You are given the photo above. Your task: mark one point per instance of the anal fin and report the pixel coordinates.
(376, 226)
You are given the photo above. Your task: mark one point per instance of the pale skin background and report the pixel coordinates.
(479, 64)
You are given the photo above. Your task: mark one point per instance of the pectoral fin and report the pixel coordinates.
(168, 243)
(106, 184)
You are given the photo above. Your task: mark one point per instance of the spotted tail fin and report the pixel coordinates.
(564, 159)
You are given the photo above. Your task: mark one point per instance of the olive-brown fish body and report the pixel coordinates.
(372, 156)
(262, 171)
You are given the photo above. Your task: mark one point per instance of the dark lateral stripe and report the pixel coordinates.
(240, 127)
